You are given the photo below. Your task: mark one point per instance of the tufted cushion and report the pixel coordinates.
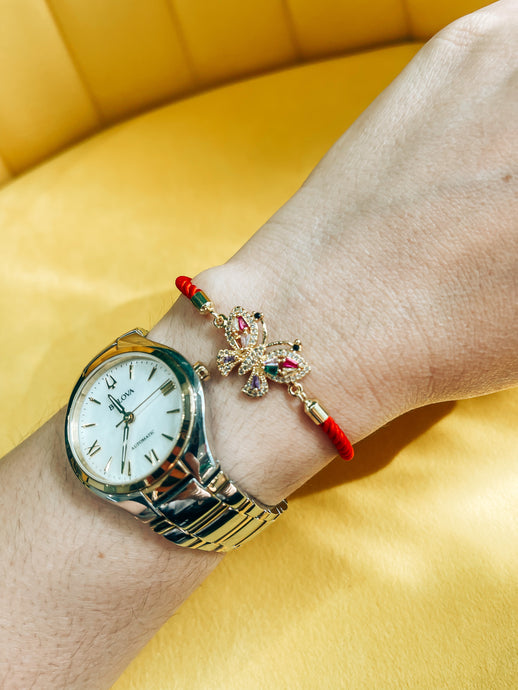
(69, 69)
(400, 578)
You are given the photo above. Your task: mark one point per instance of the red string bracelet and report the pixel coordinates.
(278, 361)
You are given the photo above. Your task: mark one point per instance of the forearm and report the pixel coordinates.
(88, 581)
(84, 580)
(81, 580)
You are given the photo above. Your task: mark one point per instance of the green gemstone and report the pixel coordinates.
(271, 369)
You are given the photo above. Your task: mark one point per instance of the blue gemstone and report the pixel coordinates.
(256, 382)
(228, 358)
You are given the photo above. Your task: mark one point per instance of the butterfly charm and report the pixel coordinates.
(246, 334)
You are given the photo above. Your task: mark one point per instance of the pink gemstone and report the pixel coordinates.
(245, 338)
(242, 324)
(289, 363)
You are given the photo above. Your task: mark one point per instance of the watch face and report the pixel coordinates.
(125, 419)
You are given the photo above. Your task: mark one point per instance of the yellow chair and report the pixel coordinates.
(146, 138)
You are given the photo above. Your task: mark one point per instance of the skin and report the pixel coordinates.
(396, 264)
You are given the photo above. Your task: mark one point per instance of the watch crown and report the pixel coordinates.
(201, 371)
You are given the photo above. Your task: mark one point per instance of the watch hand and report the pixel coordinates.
(148, 397)
(151, 395)
(124, 445)
(141, 403)
(116, 403)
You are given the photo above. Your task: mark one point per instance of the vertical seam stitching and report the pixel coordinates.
(79, 72)
(182, 40)
(10, 170)
(408, 19)
(291, 30)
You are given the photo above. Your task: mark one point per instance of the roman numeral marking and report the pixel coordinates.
(152, 457)
(170, 438)
(108, 465)
(110, 381)
(85, 426)
(94, 400)
(126, 465)
(131, 370)
(94, 448)
(153, 372)
(167, 387)
(173, 411)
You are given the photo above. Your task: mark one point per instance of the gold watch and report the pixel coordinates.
(135, 436)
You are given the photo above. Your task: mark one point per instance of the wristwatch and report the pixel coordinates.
(135, 436)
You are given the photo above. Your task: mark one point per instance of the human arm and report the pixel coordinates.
(242, 286)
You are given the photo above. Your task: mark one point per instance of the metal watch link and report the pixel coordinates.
(135, 435)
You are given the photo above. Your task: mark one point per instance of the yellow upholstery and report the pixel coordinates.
(398, 570)
(68, 69)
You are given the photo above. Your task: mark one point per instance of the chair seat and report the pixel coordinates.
(400, 578)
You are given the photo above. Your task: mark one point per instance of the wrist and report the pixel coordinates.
(257, 440)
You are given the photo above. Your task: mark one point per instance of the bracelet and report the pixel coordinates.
(247, 336)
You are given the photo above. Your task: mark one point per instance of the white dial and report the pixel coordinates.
(128, 416)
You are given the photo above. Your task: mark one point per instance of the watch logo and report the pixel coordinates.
(122, 398)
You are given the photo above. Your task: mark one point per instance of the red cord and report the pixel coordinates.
(330, 427)
(339, 439)
(186, 286)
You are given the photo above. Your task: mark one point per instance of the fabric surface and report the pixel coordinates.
(69, 69)
(398, 570)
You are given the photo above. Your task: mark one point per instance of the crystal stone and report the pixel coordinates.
(271, 368)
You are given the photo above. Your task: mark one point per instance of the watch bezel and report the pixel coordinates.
(185, 376)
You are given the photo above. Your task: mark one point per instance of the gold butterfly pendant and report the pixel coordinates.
(247, 335)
